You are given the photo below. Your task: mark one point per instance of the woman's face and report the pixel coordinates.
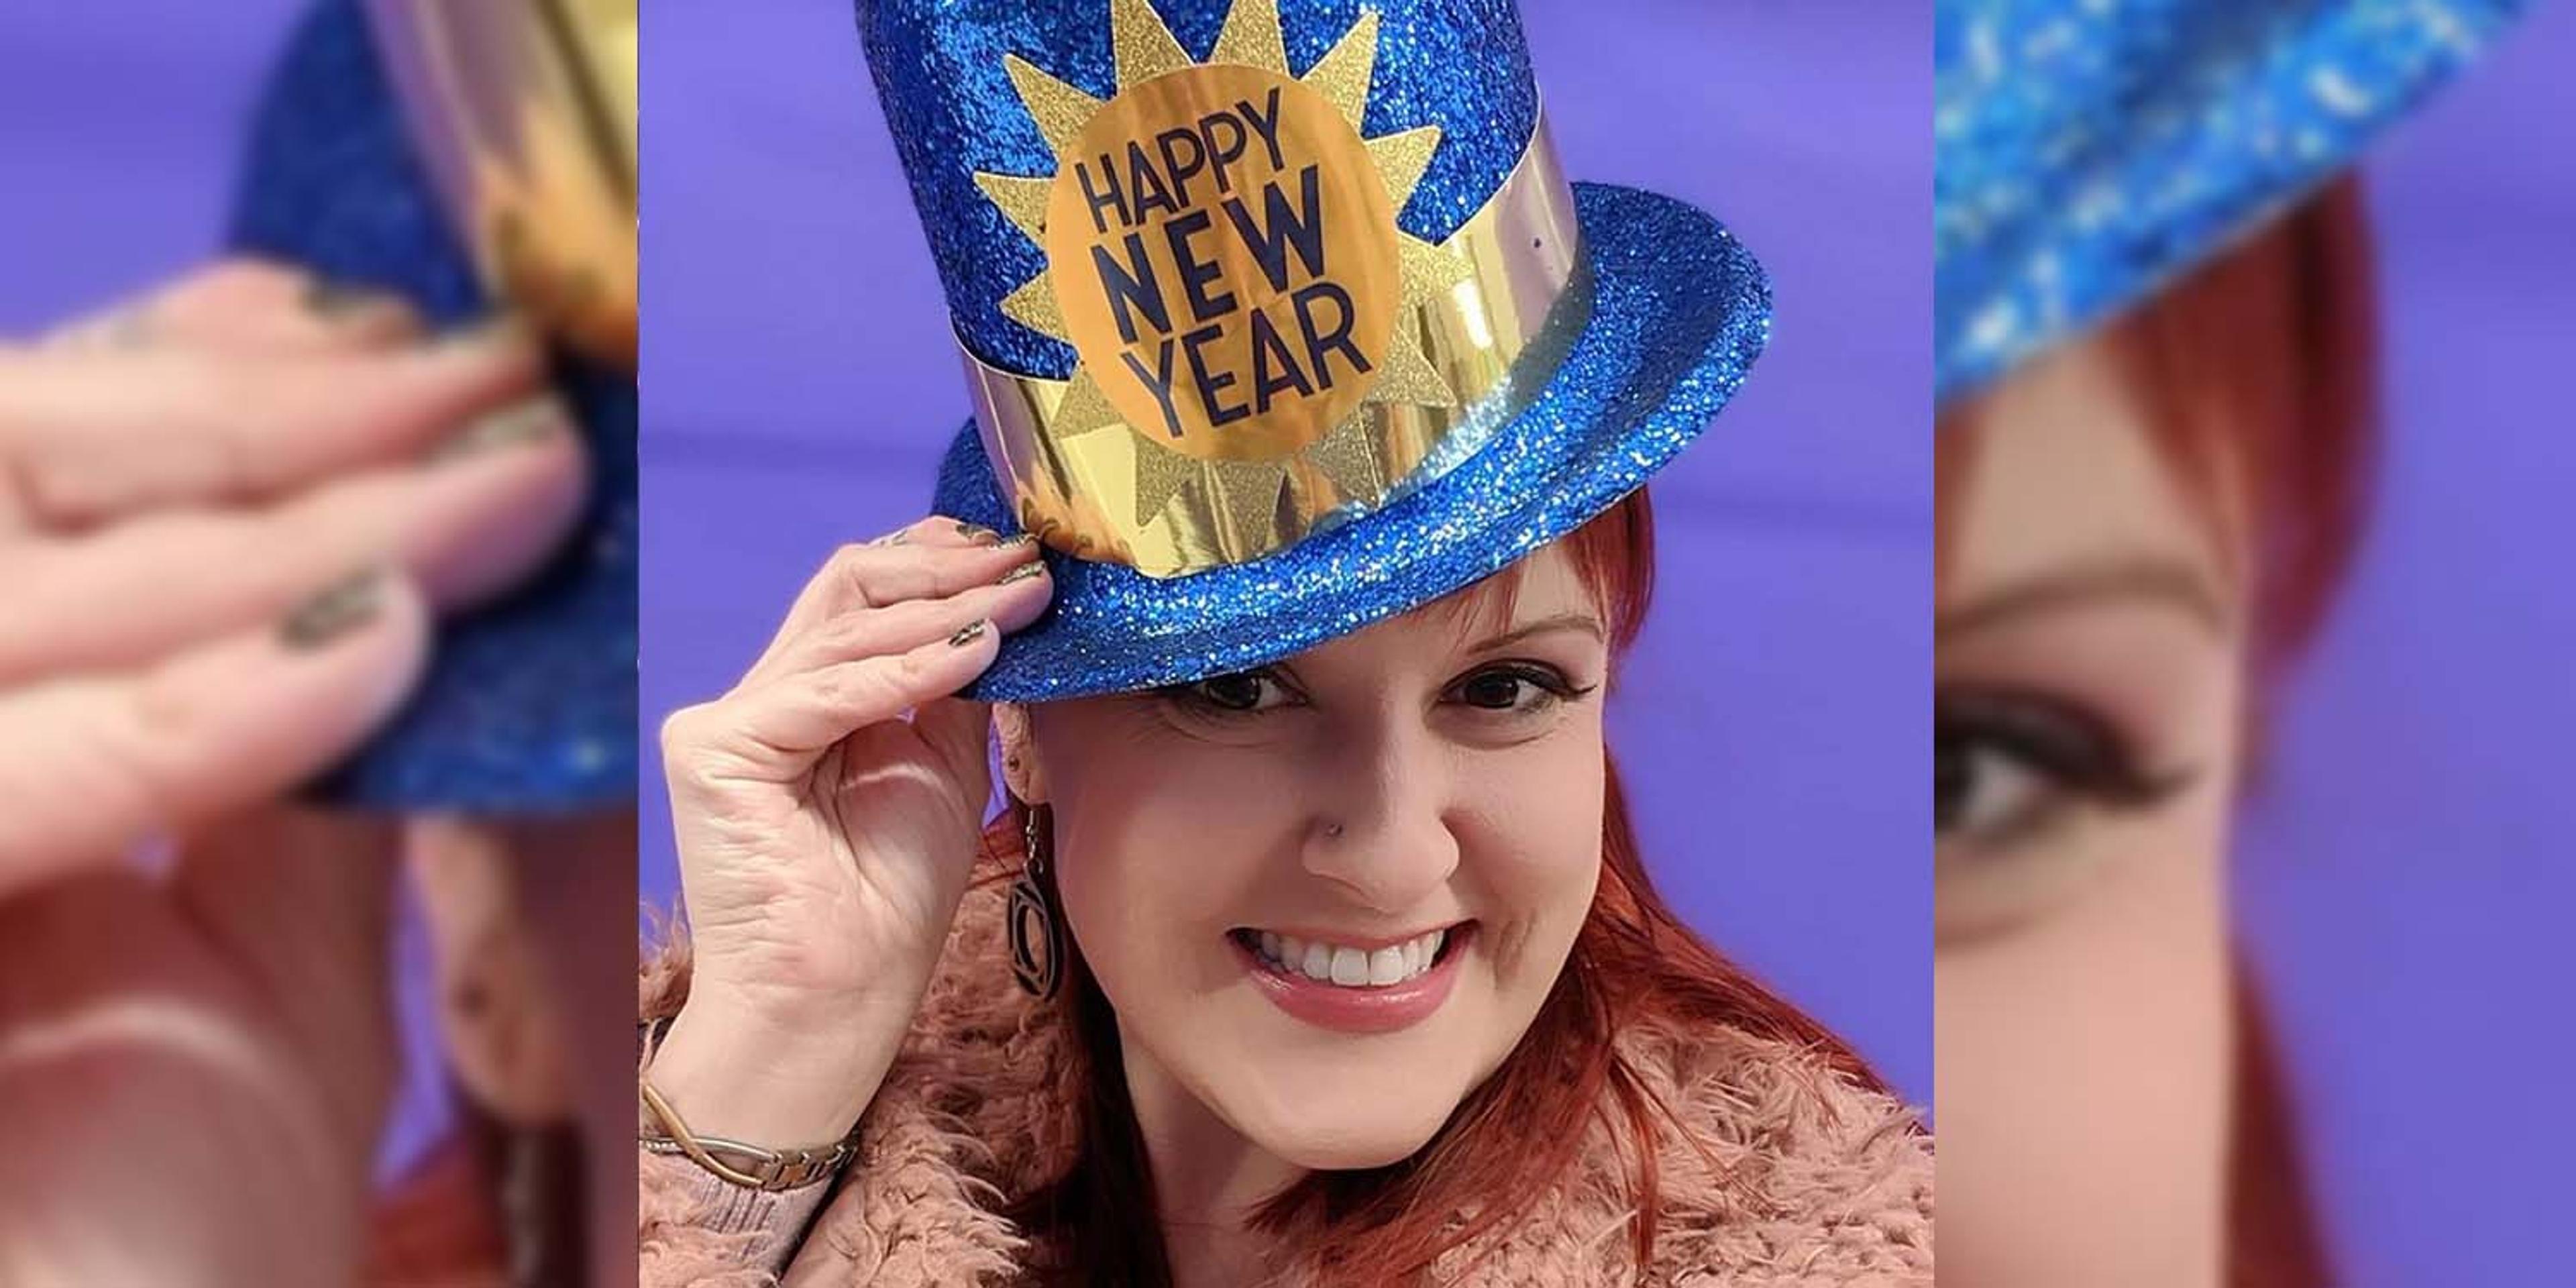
(2087, 715)
(1436, 778)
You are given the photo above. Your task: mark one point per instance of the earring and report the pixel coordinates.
(1037, 941)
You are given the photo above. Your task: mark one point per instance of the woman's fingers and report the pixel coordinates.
(91, 766)
(960, 732)
(1011, 601)
(248, 306)
(300, 901)
(462, 526)
(92, 435)
(935, 559)
(780, 727)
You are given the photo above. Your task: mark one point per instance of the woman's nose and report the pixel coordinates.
(1381, 830)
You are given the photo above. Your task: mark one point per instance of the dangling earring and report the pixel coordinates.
(1037, 942)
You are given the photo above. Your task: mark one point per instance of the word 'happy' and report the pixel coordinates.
(1188, 225)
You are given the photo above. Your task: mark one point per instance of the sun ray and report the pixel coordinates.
(1348, 457)
(1034, 306)
(1022, 201)
(1343, 74)
(1145, 47)
(1253, 37)
(1160, 472)
(1059, 109)
(1251, 491)
(1085, 407)
(1402, 158)
(1429, 270)
(1407, 375)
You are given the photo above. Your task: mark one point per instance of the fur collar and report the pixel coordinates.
(1826, 1183)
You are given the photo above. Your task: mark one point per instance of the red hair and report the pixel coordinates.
(2259, 373)
(1510, 1138)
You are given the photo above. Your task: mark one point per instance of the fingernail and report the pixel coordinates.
(1025, 571)
(333, 300)
(531, 420)
(979, 534)
(499, 331)
(968, 634)
(1023, 539)
(342, 607)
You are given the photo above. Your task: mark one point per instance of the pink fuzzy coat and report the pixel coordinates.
(1827, 1183)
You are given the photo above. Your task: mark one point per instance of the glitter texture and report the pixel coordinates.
(529, 704)
(2089, 151)
(941, 76)
(1679, 312)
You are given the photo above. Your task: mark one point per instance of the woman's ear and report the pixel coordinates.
(1020, 768)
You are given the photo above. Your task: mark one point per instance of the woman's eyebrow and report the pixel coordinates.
(2153, 579)
(1561, 622)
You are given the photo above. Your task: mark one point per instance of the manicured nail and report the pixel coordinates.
(1022, 539)
(333, 301)
(342, 607)
(1033, 568)
(968, 634)
(979, 534)
(499, 331)
(535, 419)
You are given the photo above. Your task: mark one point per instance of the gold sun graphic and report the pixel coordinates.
(1274, 393)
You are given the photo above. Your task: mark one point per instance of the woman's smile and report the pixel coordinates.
(1355, 985)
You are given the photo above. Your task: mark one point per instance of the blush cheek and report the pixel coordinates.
(1533, 855)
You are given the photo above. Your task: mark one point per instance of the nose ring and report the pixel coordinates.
(1333, 830)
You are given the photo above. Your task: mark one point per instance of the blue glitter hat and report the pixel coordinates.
(2087, 152)
(529, 704)
(1279, 317)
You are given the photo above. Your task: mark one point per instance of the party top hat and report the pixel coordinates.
(2087, 152)
(1280, 317)
(504, 181)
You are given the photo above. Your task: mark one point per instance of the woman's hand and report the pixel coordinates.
(227, 511)
(194, 1071)
(825, 838)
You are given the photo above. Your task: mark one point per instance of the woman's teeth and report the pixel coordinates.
(1351, 967)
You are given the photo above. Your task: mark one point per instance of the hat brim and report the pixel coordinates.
(1680, 312)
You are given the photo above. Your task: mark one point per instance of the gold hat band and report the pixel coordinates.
(1499, 295)
(525, 116)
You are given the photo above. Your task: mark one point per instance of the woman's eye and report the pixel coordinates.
(2006, 764)
(1984, 791)
(1513, 689)
(1242, 692)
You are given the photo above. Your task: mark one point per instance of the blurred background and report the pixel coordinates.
(801, 379)
(2404, 872)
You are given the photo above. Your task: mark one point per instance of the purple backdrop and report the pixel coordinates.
(2406, 876)
(800, 377)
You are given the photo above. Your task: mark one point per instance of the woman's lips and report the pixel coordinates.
(1359, 1010)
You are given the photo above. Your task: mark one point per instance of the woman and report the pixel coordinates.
(1336, 959)
(2152, 469)
(1193, 1112)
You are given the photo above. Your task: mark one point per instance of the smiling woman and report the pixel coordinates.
(1292, 557)
(1438, 783)
(1417, 1007)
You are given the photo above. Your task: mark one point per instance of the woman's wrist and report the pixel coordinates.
(729, 1073)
